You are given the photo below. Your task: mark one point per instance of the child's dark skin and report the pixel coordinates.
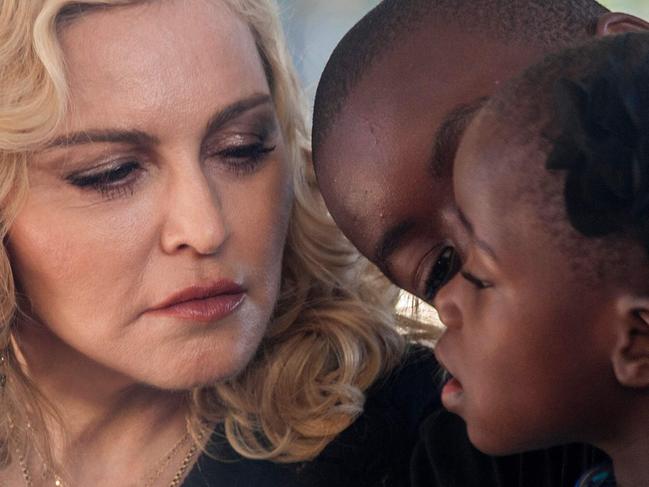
(543, 350)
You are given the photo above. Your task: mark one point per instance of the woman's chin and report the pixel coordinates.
(201, 370)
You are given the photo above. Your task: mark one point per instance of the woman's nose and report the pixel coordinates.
(194, 217)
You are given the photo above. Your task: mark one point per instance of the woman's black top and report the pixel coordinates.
(403, 438)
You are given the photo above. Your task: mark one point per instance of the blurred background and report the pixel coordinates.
(314, 27)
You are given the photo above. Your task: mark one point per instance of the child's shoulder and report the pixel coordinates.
(444, 457)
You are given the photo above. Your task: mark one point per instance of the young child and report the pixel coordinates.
(547, 299)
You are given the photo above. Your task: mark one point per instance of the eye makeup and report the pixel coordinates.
(112, 162)
(243, 145)
(113, 179)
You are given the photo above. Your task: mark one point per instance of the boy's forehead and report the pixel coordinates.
(383, 142)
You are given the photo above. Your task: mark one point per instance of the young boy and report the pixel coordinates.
(546, 295)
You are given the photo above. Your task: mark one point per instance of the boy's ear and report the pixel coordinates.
(630, 357)
(612, 23)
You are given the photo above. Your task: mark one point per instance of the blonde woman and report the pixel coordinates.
(176, 307)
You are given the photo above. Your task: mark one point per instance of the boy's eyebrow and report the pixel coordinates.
(139, 138)
(469, 228)
(448, 135)
(446, 140)
(389, 243)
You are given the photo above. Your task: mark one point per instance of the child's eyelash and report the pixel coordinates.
(476, 281)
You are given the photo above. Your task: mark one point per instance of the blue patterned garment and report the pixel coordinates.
(601, 476)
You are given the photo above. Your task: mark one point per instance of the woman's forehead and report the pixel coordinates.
(159, 57)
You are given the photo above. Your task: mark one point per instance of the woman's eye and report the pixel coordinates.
(446, 266)
(112, 182)
(244, 158)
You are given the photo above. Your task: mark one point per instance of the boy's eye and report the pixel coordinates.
(446, 266)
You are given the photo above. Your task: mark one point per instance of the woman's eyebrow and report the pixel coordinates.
(139, 138)
(92, 136)
(235, 109)
(389, 243)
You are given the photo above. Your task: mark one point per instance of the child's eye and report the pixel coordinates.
(111, 182)
(477, 282)
(446, 266)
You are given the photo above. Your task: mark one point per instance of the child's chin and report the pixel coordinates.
(495, 443)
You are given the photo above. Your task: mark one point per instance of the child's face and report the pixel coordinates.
(527, 341)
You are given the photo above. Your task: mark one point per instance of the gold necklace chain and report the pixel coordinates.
(187, 461)
(162, 464)
(165, 461)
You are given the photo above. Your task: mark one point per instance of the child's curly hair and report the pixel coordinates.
(584, 112)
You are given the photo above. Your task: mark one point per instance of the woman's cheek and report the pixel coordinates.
(65, 259)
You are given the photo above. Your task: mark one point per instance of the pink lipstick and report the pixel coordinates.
(205, 303)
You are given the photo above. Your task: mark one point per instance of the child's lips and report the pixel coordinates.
(452, 389)
(452, 386)
(452, 393)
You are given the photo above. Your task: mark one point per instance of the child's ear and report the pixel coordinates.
(612, 23)
(631, 352)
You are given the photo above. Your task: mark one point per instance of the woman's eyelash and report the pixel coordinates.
(114, 182)
(244, 158)
(118, 180)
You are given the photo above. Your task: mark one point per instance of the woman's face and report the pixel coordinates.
(168, 176)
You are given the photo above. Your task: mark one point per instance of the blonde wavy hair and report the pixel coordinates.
(334, 331)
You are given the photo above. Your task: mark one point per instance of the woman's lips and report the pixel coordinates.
(205, 309)
(202, 303)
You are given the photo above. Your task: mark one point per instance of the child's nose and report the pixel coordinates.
(445, 302)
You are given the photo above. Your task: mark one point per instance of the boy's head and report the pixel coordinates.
(547, 334)
(397, 93)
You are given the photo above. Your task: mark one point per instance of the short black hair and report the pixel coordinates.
(583, 116)
(555, 24)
